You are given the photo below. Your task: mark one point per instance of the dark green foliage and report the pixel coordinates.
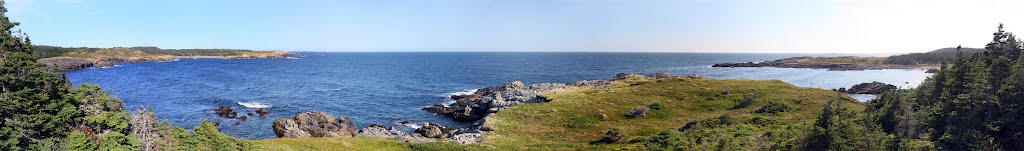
(77, 140)
(613, 135)
(656, 106)
(972, 104)
(931, 57)
(40, 110)
(745, 102)
(34, 104)
(658, 110)
(773, 107)
(207, 137)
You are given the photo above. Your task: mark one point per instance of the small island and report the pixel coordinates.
(65, 58)
(929, 61)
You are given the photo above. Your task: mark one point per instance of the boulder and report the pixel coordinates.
(514, 85)
(380, 131)
(638, 112)
(870, 88)
(225, 111)
(602, 116)
(435, 131)
(314, 124)
(932, 71)
(262, 112)
(621, 76)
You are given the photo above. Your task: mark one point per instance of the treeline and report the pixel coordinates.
(41, 110)
(932, 57)
(54, 51)
(976, 103)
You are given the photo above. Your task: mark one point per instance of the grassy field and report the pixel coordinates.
(571, 121)
(356, 143)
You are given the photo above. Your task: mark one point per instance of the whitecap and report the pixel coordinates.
(413, 125)
(254, 104)
(463, 92)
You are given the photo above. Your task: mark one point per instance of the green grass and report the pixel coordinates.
(571, 120)
(357, 143)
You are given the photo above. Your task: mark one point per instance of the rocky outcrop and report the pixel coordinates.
(474, 106)
(226, 111)
(272, 54)
(435, 131)
(869, 88)
(379, 130)
(932, 71)
(314, 124)
(66, 63)
(262, 112)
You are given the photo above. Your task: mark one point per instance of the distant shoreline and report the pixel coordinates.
(109, 57)
(848, 63)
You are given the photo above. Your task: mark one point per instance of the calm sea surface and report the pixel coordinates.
(390, 87)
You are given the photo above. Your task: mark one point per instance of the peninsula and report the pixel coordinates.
(66, 58)
(929, 61)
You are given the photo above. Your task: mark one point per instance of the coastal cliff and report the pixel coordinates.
(80, 58)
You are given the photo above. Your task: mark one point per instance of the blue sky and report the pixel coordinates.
(840, 26)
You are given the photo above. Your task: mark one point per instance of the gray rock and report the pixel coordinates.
(602, 116)
(435, 131)
(638, 112)
(380, 131)
(314, 124)
(466, 138)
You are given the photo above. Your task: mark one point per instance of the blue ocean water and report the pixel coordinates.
(387, 87)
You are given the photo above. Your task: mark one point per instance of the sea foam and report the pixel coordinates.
(254, 104)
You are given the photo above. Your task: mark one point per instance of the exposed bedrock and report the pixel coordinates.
(314, 124)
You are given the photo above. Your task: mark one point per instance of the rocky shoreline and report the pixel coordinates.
(475, 108)
(66, 63)
(795, 62)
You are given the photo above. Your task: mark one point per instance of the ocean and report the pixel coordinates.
(389, 87)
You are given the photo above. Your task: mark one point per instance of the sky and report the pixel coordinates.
(751, 26)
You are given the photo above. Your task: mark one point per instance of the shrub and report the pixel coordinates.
(773, 108)
(656, 106)
(761, 120)
(77, 140)
(613, 135)
(657, 110)
(747, 101)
